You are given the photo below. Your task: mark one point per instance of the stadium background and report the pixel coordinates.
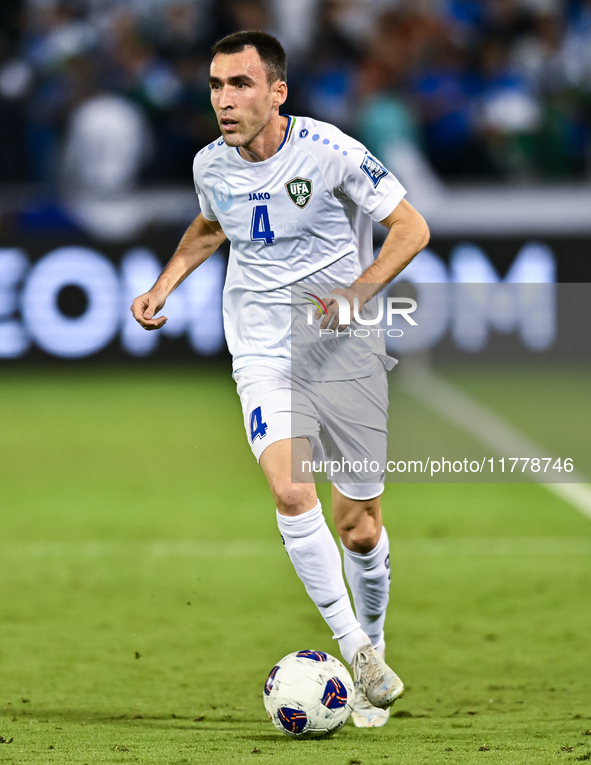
(145, 594)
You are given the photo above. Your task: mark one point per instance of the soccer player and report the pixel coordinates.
(296, 198)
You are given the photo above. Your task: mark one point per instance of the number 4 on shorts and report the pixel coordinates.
(258, 428)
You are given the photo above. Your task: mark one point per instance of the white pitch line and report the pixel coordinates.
(458, 546)
(159, 548)
(261, 548)
(490, 429)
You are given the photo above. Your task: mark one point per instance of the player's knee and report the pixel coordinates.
(361, 536)
(294, 499)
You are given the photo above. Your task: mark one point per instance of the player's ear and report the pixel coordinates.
(280, 91)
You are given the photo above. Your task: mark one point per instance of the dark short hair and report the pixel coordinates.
(269, 48)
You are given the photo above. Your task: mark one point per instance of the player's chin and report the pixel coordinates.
(231, 138)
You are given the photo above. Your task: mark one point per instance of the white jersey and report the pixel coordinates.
(303, 215)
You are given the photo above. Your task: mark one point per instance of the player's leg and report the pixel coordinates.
(367, 560)
(354, 436)
(367, 567)
(291, 499)
(309, 543)
(354, 416)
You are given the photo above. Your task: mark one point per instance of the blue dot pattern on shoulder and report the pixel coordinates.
(326, 141)
(344, 154)
(336, 146)
(315, 137)
(210, 147)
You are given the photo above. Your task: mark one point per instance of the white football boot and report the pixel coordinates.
(364, 715)
(377, 687)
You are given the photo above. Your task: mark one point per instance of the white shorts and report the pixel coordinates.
(345, 421)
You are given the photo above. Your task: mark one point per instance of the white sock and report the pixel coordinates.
(369, 579)
(315, 557)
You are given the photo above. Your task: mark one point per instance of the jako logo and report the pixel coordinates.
(345, 309)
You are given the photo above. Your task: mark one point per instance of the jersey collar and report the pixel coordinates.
(288, 129)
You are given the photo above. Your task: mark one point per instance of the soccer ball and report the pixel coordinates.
(309, 694)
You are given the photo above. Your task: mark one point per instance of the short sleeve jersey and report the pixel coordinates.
(305, 214)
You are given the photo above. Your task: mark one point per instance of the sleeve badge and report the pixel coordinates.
(373, 169)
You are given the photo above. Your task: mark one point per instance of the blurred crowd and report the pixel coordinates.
(486, 89)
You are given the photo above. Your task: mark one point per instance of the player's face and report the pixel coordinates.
(242, 99)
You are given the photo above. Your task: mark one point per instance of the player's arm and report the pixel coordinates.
(408, 234)
(199, 241)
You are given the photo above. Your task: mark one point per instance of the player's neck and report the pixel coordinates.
(267, 142)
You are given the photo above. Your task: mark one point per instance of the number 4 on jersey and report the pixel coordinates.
(258, 428)
(261, 225)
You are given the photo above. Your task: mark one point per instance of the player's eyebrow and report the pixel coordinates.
(232, 80)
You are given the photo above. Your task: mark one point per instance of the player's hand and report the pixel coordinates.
(145, 306)
(329, 320)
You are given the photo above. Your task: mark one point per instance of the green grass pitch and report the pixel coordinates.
(145, 593)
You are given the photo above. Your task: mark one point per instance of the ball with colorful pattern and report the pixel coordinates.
(308, 694)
